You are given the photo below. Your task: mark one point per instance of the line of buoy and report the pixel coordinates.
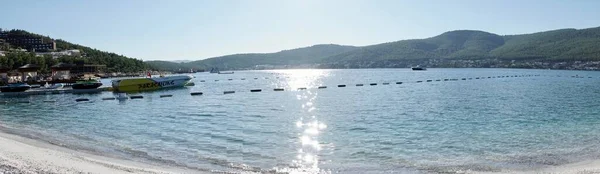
(386, 83)
(341, 86)
(196, 93)
(419, 81)
(136, 97)
(108, 98)
(166, 95)
(359, 84)
(278, 89)
(228, 92)
(82, 99)
(373, 84)
(398, 83)
(322, 87)
(255, 90)
(429, 80)
(49, 101)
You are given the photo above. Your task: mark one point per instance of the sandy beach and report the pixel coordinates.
(23, 155)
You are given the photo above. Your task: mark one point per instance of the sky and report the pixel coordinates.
(199, 29)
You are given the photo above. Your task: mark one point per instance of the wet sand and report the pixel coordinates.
(23, 155)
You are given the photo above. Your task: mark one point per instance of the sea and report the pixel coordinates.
(397, 121)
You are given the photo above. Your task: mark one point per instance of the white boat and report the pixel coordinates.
(54, 86)
(150, 84)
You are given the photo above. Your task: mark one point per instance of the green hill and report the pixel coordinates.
(556, 45)
(565, 44)
(172, 66)
(464, 44)
(299, 56)
(113, 62)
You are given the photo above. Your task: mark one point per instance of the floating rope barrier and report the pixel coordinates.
(123, 96)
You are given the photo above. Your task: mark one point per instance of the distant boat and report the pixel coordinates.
(216, 70)
(419, 68)
(15, 87)
(87, 84)
(54, 86)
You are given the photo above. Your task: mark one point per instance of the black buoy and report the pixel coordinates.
(464, 79)
(386, 83)
(419, 81)
(398, 82)
(196, 93)
(77, 100)
(108, 98)
(278, 89)
(322, 87)
(255, 90)
(341, 86)
(301, 88)
(202, 81)
(429, 80)
(136, 97)
(228, 92)
(445, 79)
(216, 80)
(229, 79)
(373, 84)
(243, 79)
(359, 84)
(166, 95)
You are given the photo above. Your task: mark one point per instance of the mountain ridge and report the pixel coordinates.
(552, 45)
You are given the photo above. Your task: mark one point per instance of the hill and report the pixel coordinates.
(294, 57)
(172, 66)
(449, 49)
(114, 62)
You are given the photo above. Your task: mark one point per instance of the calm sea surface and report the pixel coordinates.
(485, 124)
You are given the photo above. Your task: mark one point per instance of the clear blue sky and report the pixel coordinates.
(198, 29)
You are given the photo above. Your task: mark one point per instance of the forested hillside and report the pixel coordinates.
(114, 62)
(450, 49)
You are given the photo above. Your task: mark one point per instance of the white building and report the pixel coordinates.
(61, 53)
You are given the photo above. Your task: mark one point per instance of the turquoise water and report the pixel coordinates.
(485, 124)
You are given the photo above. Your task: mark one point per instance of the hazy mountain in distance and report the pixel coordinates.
(555, 45)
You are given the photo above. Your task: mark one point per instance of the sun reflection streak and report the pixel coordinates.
(310, 128)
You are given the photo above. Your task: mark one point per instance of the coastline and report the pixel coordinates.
(23, 155)
(583, 167)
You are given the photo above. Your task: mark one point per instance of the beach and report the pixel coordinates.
(23, 155)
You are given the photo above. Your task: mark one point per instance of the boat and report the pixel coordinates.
(150, 84)
(86, 84)
(419, 68)
(54, 86)
(15, 87)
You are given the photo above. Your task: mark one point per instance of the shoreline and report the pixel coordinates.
(20, 154)
(24, 155)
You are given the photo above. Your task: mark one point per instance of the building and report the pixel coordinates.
(28, 42)
(61, 53)
(63, 71)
